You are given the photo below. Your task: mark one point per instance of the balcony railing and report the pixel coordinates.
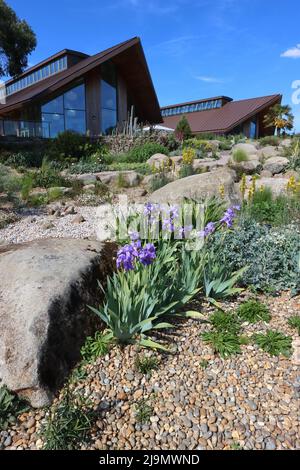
(12, 128)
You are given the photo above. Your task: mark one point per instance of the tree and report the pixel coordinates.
(183, 130)
(17, 41)
(280, 117)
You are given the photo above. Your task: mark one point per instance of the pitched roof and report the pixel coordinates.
(136, 72)
(226, 118)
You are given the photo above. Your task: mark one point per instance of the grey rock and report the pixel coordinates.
(157, 160)
(197, 187)
(276, 164)
(45, 287)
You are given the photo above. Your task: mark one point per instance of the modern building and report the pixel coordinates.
(88, 94)
(222, 115)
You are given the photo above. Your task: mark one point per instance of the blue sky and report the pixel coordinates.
(194, 48)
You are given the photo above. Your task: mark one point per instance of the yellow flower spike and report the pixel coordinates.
(222, 191)
(243, 186)
(188, 156)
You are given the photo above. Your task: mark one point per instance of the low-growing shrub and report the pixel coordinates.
(68, 423)
(96, 346)
(269, 140)
(186, 170)
(54, 194)
(142, 168)
(142, 153)
(274, 343)
(225, 322)
(224, 343)
(10, 407)
(146, 364)
(85, 166)
(294, 322)
(70, 145)
(253, 311)
(143, 411)
(269, 254)
(266, 208)
(27, 185)
(25, 159)
(159, 180)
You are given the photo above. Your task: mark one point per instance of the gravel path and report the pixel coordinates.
(250, 401)
(35, 223)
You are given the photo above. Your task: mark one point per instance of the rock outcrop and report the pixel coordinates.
(44, 291)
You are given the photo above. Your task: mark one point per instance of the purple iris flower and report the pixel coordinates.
(126, 257)
(147, 254)
(210, 228)
(134, 236)
(184, 231)
(229, 216)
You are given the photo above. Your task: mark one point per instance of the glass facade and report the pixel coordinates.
(44, 72)
(191, 108)
(252, 130)
(108, 98)
(66, 112)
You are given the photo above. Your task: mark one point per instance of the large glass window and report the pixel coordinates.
(253, 126)
(66, 112)
(108, 97)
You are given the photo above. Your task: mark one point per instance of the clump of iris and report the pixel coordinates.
(134, 252)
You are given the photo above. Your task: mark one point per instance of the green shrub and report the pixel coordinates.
(143, 411)
(225, 145)
(223, 342)
(142, 168)
(294, 322)
(183, 129)
(239, 155)
(7, 217)
(253, 311)
(159, 180)
(269, 254)
(84, 166)
(48, 177)
(25, 159)
(274, 343)
(10, 407)
(68, 423)
(293, 154)
(146, 364)
(54, 194)
(96, 346)
(275, 210)
(70, 145)
(27, 185)
(102, 190)
(37, 200)
(186, 170)
(269, 140)
(142, 153)
(225, 322)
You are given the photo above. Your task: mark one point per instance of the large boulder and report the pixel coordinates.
(197, 187)
(130, 177)
(268, 152)
(249, 167)
(276, 164)
(45, 288)
(157, 160)
(277, 185)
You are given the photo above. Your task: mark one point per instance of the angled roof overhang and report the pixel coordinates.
(128, 56)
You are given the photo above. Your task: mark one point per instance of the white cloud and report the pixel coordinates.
(175, 47)
(293, 53)
(207, 79)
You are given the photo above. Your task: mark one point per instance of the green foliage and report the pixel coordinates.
(279, 117)
(121, 181)
(142, 153)
(70, 145)
(146, 364)
(239, 155)
(143, 411)
(253, 311)
(25, 159)
(96, 346)
(86, 166)
(225, 322)
(9, 182)
(204, 364)
(293, 154)
(7, 217)
(54, 194)
(274, 343)
(17, 41)
(102, 190)
(142, 168)
(294, 322)
(270, 255)
(136, 301)
(183, 129)
(275, 210)
(224, 343)
(27, 185)
(159, 180)
(269, 140)
(186, 170)
(68, 423)
(48, 177)
(10, 407)
(219, 283)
